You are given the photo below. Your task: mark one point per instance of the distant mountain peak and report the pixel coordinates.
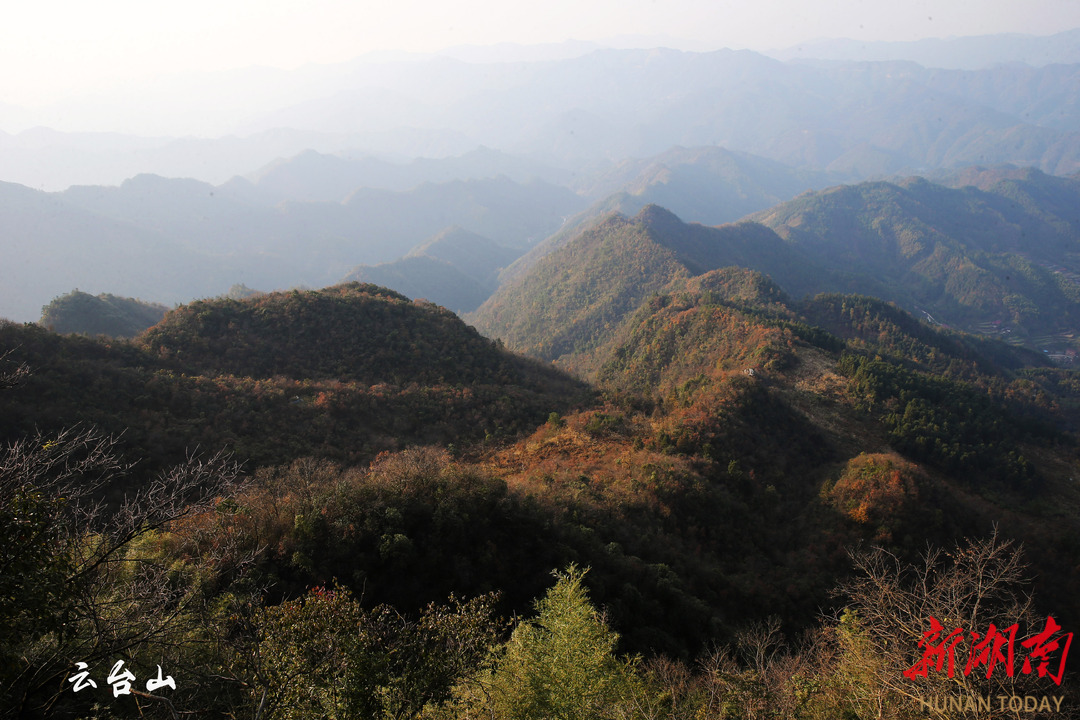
(657, 218)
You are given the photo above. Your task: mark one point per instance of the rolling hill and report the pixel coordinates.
(78, 312)
(351, 332)
(343, 373)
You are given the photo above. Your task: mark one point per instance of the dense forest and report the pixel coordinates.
(344, 503)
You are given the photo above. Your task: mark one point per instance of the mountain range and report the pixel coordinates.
(456, 269)
(957, 53)
(987, 249)
(361, 163)
(849, 116)
(268, 233)
(998, 260)
(171, 240)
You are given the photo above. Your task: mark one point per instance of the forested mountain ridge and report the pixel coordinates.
(968, 257)
(998, 261)
(573, 296)
(351, 332)
(574, 299)
(460, 269)
(343, 373)
(768, 443)
(709, 185)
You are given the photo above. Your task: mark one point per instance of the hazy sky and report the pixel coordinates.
(53, 48)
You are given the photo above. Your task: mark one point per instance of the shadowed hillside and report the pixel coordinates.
(740, 444)
(343, 373)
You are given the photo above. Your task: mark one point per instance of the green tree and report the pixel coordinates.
(323, 655)
(561, 665)
(301, 661)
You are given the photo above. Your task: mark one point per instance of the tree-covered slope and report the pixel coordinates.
(699, 326)
(574, 299)
(708, 185)
(343, 373)
(1001, 261)
(744, 442)
(742, 428)
(777, 400)
(968, 257)
(105, 314)
(349, 332)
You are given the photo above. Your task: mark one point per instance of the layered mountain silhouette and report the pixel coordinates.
(456, 269)
(171, 240)
(849, 116)
(318, 177)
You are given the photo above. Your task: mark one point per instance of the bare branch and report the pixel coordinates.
(13, 378)
(891, 603)
(106, 581)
